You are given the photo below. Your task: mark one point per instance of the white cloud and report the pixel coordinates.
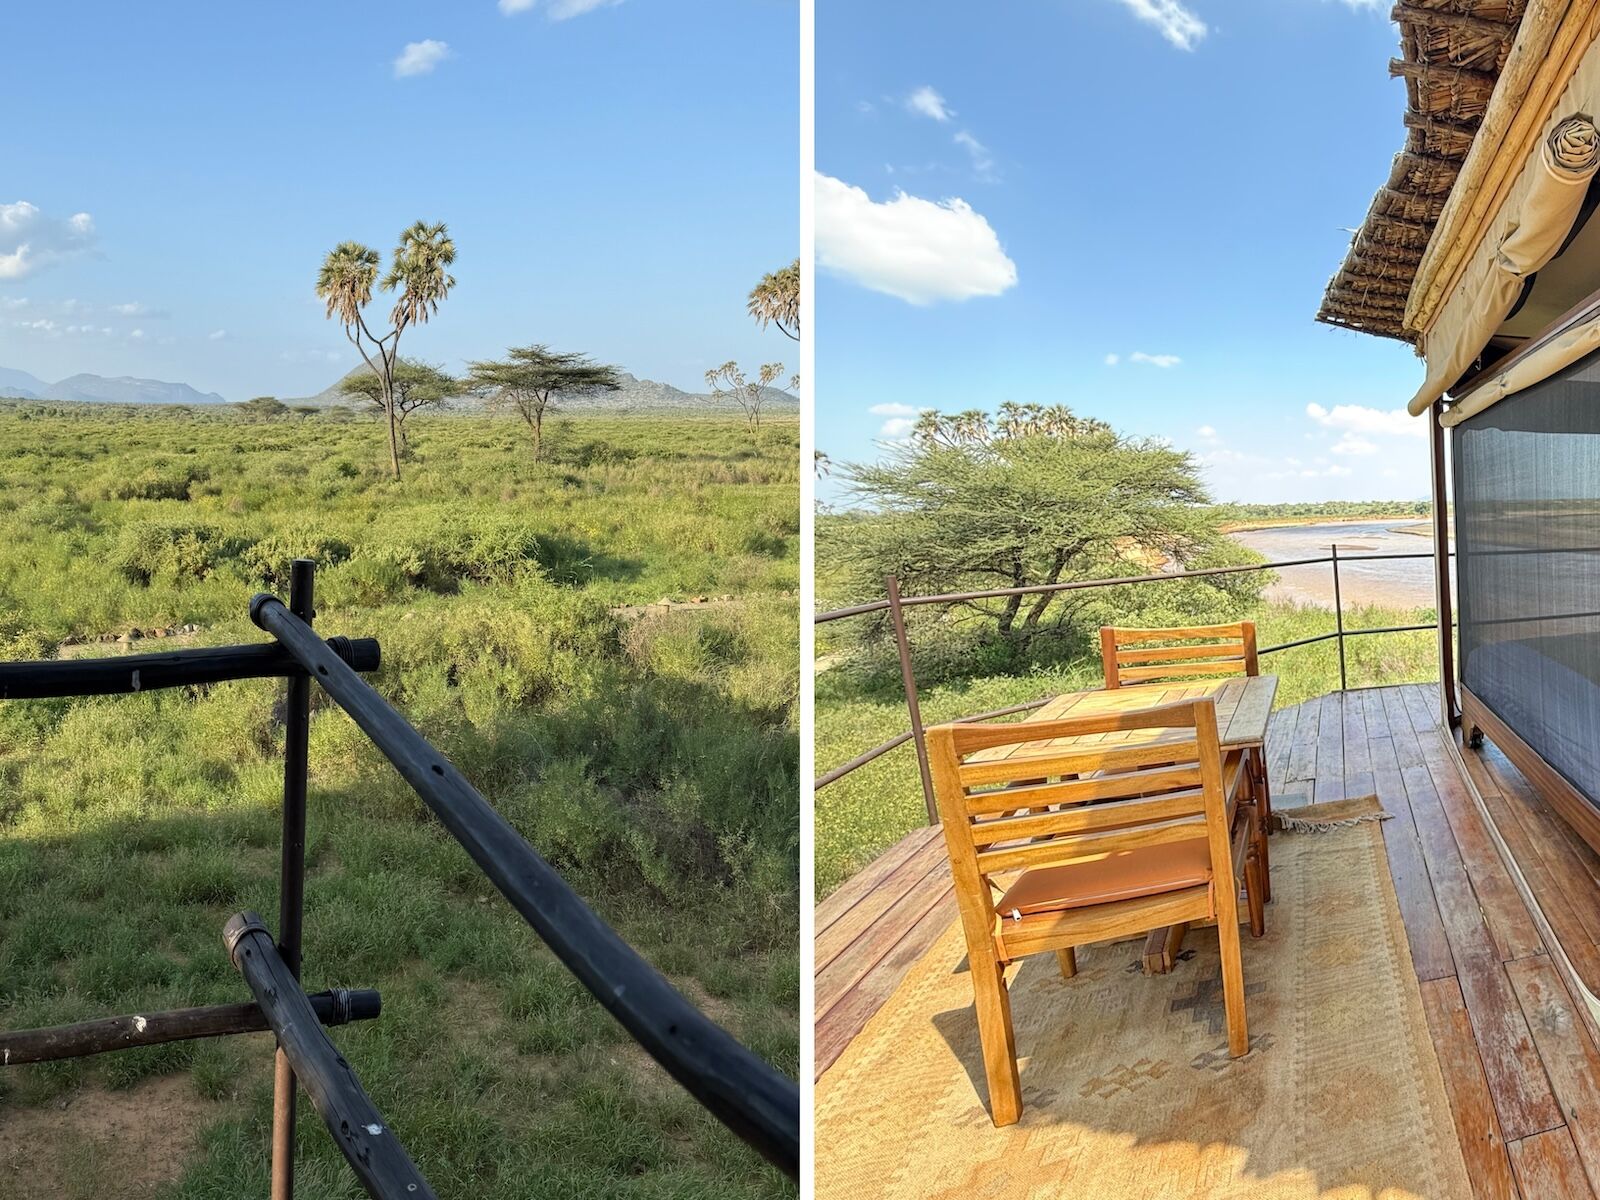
(30, 240)
(925, 102)
(896, 427)
(137, 335)
(1373, 422)
(1353, 444)
(420, 58)
(1155, 360)
(216, 335)
(1113, 359)
(892, 410)
(556, 10)
(1176, 23)
(982, 160)
(1205, 431)
(918, 250)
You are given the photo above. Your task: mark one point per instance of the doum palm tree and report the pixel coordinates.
(419, 274)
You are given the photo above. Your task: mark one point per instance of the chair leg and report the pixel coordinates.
(1253, 873)
(1262, 791)
(1233, 982)
(993, 1003)
(1068, 961)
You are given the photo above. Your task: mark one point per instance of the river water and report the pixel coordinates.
(1394, 583)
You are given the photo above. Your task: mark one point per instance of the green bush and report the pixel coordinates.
(173, 550)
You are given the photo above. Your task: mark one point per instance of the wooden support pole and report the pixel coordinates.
(175, 1025)
(1450, 708)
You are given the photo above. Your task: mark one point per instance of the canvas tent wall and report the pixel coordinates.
(1497, 284)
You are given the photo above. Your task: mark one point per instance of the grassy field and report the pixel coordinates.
(653, 758)
(860, 705)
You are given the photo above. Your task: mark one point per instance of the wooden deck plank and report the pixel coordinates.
(849, 1016)
(1569, 1056)
(1477, 1127)
(1507, 814)
(1303, 756)
(1517, 1082)
(1547, 1167)
(1357, 760)
(1330, 751)
(1280, 741)
(1430, 949)
(849, 967)
(855, 921)
(1510, 923)
(867, 880)
(1549, 836)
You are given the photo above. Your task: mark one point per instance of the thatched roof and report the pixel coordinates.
(1452, 52)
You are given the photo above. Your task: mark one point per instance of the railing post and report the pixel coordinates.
(1338, 618)
(292, 873)
(908, 681)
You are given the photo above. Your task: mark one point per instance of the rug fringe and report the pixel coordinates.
(1304, 825)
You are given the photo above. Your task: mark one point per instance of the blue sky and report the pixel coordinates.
(616, 176)
(1009, 194)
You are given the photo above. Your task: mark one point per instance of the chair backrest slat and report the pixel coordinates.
(1090, 818)
(1192, 652)
(1115, 786)
(1111, 797)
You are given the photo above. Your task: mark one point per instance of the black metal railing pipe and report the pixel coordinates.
(127, 673)
(1074, 585)
(755, 1101)
(358, 1128)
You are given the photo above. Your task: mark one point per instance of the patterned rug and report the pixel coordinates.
(1127, 1087)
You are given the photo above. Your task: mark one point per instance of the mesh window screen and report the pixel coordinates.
(1527, 496)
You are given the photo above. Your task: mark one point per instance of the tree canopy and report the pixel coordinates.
(418, 275)
(776, 300)
(416, 385)
(1031, 495)
(532, 381)
(728, 382)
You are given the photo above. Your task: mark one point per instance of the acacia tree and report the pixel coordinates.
(728, 382)
(418, 275)
(532, 381)
(416, 385)
(776, 300)
(1032, 495)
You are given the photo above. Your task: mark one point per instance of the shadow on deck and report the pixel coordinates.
(1524, 1090)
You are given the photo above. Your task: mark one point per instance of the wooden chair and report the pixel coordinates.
(1131, 837)
(1207, 651)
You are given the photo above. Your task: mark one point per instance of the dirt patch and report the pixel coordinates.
(96, 1143)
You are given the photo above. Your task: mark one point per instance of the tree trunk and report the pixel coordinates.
(1008, 615)
(538, 433)
(394, 441)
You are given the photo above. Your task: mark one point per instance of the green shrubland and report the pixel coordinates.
(652, 757)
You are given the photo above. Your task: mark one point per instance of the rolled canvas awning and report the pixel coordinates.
(1539, 215)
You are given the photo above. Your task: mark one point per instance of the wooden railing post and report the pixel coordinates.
(908, 681)
(292, 873)
(1338, 617)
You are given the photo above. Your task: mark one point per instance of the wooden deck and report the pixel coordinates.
(1522, 1072)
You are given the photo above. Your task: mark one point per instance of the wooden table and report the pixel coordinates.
(1244, 706)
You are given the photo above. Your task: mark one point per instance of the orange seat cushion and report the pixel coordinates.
(1121, 876)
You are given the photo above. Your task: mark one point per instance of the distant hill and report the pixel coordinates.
(124, 389)
(635, 395)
